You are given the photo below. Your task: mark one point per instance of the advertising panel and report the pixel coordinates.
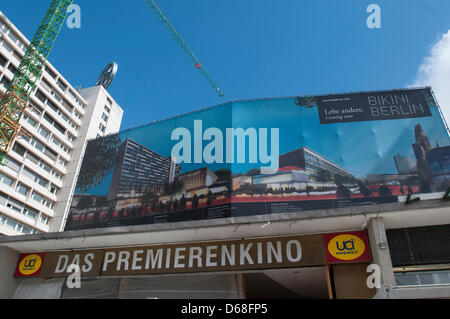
(266, 156)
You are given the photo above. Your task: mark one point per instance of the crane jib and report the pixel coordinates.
(165, 21)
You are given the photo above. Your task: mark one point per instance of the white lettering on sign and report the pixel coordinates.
(208, 256)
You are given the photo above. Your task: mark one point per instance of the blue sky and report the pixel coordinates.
(252, 48)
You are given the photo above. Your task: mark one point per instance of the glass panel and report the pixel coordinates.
(12, 164)
(7, 181)
(3, 60)
(433, 277)
(22, 189)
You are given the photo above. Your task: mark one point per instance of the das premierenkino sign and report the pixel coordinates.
(231, 255)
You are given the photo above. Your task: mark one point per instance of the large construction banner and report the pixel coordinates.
(266, 156)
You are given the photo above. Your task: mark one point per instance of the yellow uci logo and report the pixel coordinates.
(346, 247)
(30, 265)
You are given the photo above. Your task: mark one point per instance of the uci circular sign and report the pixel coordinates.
(30, 265)
(347, 247)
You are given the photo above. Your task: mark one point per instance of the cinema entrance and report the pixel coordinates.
(290, 267)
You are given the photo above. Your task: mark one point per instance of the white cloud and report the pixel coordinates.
(435, 72)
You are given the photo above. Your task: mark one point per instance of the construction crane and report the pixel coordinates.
(162, 17)
(15, 100)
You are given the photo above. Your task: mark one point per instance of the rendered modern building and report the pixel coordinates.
(198, 179)
(39, 178)
(432, 163)
(285, 178)
(405, 164)
(439, 161)
(138, 170)
(307, 159)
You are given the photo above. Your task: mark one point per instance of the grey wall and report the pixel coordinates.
(8, 263)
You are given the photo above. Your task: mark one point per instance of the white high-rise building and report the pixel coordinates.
(39, 173)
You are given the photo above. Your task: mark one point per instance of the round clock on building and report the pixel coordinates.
(107, 75)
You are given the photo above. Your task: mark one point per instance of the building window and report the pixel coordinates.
(11, 223)
(104, 117)
(12, 164)
(67, 105)
(8, 47)
(56, 96)
(30, 121)
(19, 149)
(52, 106)
(37, 197)
(53, 189)
(26, 172)
(6, 180)
(44, 133)
(50, 72)
(17, 55)
(424, 277)
(36, 109)
(41, 181)
(32, 158)
(5, 82)
(3, 60)
(49, 203)
(30, 213)
(49, 119)
(38, 145)
(44, 220)
(102, 128)
(62, 162)
(70, 137)
(56, 141)
(45, 166)
(61, 85)
(42, 200)
(107, 109)
(22, 189)
(40, 96)
(57, 175)
(34, 177)
(53, 155)
(13, 37)
(12, 68)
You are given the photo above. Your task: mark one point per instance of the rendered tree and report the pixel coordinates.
(85, 202)
(323, 176)
(149, 197)
(253, 172)
(171, 189)
(99, 160)
(223, 174)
